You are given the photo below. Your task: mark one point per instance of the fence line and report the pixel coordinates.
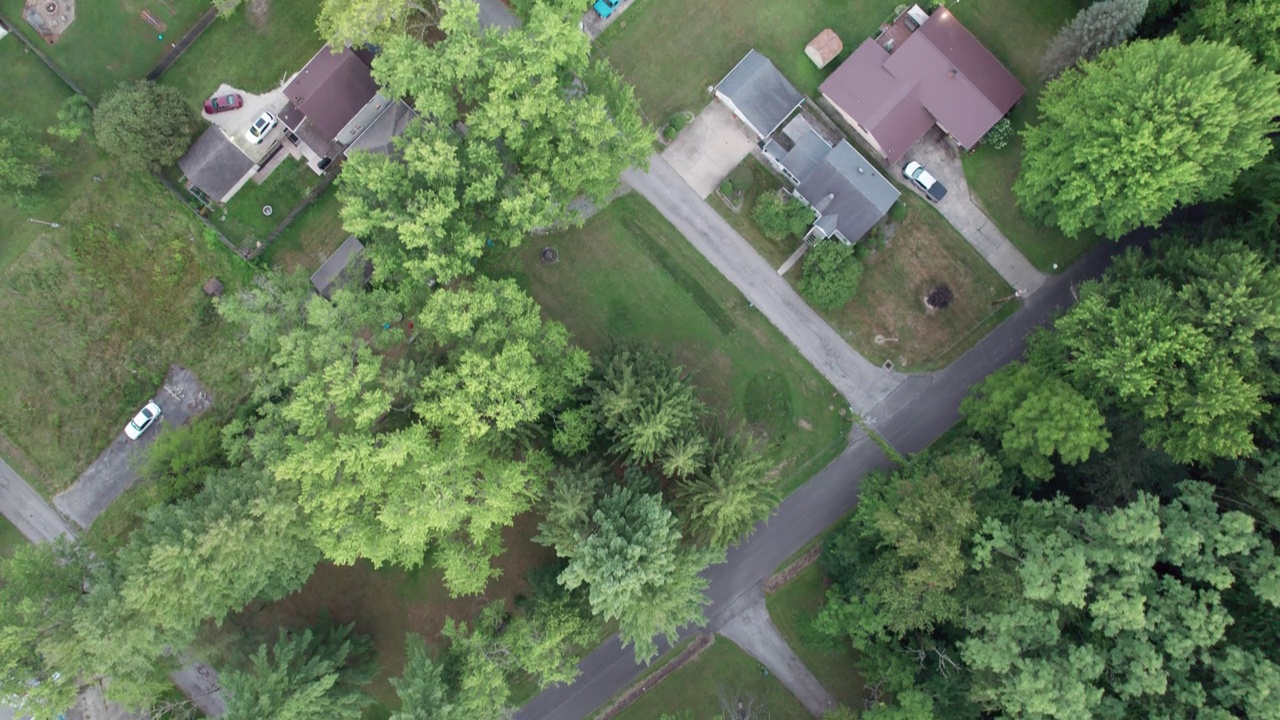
(14, 31)
(181, 46)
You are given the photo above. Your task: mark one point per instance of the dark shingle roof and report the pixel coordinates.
(331, 89)
(849, 188)
(214, 164)
(760, 93)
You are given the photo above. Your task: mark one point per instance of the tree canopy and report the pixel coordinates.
(303, 676)
(1095, 28)
(144, 126)
(515, 125)
(1143, 129)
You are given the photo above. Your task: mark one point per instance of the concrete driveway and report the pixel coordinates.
(234, 123)
(180, 398)
(959, 208)
(709, 148)
(592, 24)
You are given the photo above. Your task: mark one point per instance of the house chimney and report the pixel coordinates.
(861, 169)
(823, 203)
(951, 73)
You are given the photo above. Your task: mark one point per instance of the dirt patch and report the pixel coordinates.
(804, 424)
(701, 642)
(785, 575)
(388, 603)
(257, 13)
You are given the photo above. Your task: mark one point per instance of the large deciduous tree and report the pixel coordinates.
(364, 22)
(1250, 24)
(1142, 129)
(1097, 27)
(1035, 415)
(143, 125)
(303, 676)
(514, 126)
(831, 273)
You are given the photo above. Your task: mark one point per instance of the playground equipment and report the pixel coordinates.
(153, 20)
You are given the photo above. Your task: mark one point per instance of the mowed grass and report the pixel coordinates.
(252, 53)
(109, 42)
(673, 50)
(93, 313)
(924, 252)
(775, 252)
(792, 609)
(310, 238)
(242, 220)
(721, 669)
(390, 602)
(629, 276)
(1017, 33)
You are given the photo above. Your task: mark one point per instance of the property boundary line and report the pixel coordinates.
(207, 223)
(15, 31)
(181, 46)
(330, 174)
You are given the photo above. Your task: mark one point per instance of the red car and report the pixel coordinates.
(223, 103)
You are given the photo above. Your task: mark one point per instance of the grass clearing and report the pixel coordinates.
(628, 275)
(242, 220)
(310, 238)
(109, 42)
(924, 252)
(254, 54)
(697, 686)
(792, 609)
(390, 602)
(94, 312)
(672, 51)
(1017, 33)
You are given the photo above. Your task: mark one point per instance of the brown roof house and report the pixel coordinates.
(921, 71)
(333, 100)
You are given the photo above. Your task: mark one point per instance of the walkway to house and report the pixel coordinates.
(968, 219)
(863, 384)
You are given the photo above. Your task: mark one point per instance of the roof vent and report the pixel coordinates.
(861, 169)
(951, 73)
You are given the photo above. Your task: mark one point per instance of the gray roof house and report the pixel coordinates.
(215, 166)
(845, 190)
(758, 94)
(380, 134)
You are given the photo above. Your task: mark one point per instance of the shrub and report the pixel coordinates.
(678, 121)
(939, 297)
(669, 133)
(998, 137)
(726, 189)
(779, 219)
(898, 211)
(831, 273)
(144, 126)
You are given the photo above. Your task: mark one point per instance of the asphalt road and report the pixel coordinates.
(910, 418)
(28, 512)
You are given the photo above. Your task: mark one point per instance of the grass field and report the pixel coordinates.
(10, 538)
(93, 313)
(1017, 33)
(719, 669)
(109, 42)
(672, 51)
(242, 220)
(792, 609)
(628, 275)
(250, 52)
(310, 238)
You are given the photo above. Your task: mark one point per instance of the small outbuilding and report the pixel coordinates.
(824, 48)
(346, 265)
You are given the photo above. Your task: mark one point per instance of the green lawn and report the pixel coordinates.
(1017, 33)
(242, 220)
(109, 42)
(310, 238)
(93, 313)
(760, 181)
(792, 609)
(629, 275)
(10, 538)
(698, 685)
(253, 54)
(673, 50)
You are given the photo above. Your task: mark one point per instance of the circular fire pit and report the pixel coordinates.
(51, 8)
(50, 18)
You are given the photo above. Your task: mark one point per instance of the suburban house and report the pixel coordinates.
(845, 191)
(922, 70)
(758, 94)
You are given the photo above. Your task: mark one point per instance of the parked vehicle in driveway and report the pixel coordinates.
(916, 173)
(605, 8)
(223, 103)
(145, 418)
(261, 127)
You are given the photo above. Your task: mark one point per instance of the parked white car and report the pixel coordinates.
(260, 127)
(916, 173)
(145, 418)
